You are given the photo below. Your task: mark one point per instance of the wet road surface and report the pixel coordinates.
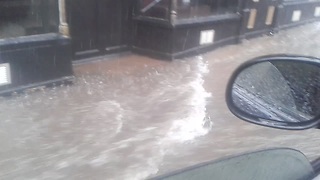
(133, 117)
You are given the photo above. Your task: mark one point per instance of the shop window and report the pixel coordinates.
(186, 9)
(159, 9)
(203, 8)
(27, 17)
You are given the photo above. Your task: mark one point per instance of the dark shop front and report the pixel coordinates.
(185, 27)
(33, 49)
(177, 28)
(39, 39)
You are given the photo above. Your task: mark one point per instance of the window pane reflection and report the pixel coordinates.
(203, 8)
(155, 9)
(27, 17)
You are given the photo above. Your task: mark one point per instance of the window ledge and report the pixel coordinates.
(157, 21)
(31, 38)
(208, 19)
(189, 22)
(297, 2)
(32, 41)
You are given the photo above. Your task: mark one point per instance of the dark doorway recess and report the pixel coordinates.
(98, 27)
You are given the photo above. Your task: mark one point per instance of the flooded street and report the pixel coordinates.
(133, 117)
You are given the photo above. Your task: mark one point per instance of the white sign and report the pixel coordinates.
(317, 12)
(207, 37)
(5, 75)
(296, 16)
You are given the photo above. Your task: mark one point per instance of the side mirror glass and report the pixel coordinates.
(277, 91)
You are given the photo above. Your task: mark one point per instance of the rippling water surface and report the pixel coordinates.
(134, 117)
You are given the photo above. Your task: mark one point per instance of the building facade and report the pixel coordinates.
(184, 27)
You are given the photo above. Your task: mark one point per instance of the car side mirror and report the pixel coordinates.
(277, 91)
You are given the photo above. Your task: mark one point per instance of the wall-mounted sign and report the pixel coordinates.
(270, 15)
(5, 74)
(207, 37)
(317, 12)
(252, 19)
(296, 16)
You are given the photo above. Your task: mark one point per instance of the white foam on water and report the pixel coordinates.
(110, 108)
(183, 125)
(111, 135)
(196, 123)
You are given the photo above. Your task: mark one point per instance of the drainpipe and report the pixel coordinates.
(278, 16)
(173, 11)
(63, 25)
(244, 13)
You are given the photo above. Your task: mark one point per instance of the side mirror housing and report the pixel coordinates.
(278, 91)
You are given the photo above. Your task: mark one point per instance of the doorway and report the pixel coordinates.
(98, 27)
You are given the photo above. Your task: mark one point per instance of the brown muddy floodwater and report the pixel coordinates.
(133, 117)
